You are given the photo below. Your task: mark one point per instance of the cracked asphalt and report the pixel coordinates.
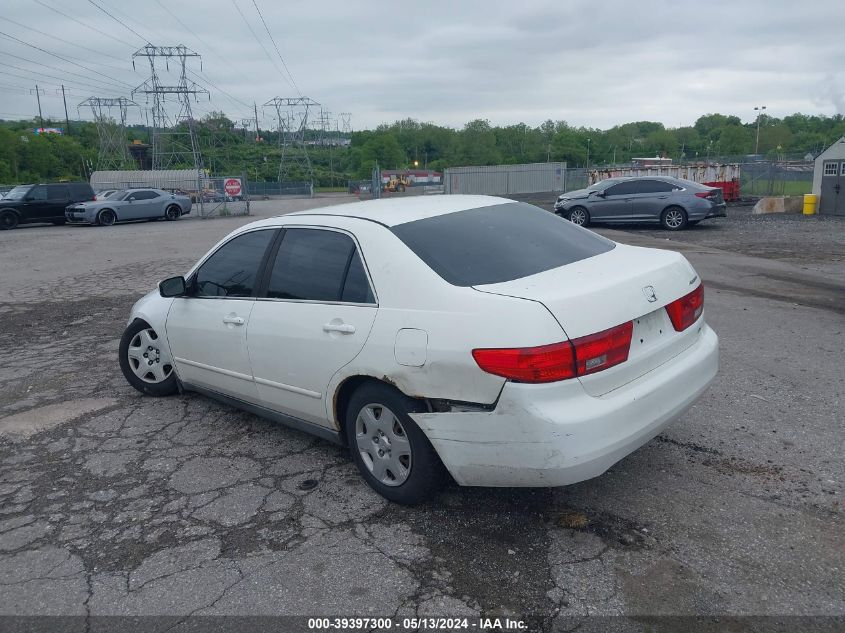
(117, 504)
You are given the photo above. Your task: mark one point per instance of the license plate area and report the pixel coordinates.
(650, 331)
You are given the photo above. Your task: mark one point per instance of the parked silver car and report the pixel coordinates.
(130, 204)
(673, 202)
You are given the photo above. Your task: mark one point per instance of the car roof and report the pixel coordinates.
(396, 211)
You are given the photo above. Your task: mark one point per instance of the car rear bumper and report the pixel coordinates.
(556, 434)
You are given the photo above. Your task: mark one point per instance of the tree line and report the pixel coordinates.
(407, 144)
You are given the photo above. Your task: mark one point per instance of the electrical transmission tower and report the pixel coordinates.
(324, 127)
(174, 140)
(292, 116)
(110, 117)
(346, 121)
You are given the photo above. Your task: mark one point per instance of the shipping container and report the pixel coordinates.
(726, 177)
(497, 180)
(183, 179)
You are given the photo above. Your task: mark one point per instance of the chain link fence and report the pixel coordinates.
(269, 189)
(210, 197)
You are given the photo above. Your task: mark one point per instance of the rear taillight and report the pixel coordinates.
(685, 311)
(546, 363)
(706, 194)
(596, 352)
(559, 361)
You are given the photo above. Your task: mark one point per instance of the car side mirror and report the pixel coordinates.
(173, 287)
(601, 194)
(132, 198)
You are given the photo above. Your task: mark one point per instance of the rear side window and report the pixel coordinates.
(499, 243)
(57, 192)
(80, 191)
(232, 270)
(655, 186)
(318, 265)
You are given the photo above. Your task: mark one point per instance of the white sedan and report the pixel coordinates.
(469, 336)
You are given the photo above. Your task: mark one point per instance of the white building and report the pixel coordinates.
(829, 179)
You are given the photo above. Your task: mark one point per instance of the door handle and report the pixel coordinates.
(343, 328)
(234, 320)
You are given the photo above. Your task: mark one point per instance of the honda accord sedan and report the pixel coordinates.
(129, 204)
(673, 202)
(465, 336)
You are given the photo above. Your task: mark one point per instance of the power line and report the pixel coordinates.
(266, 28)
(87, 26)
(119, 21)
(57, 38)
(263, 48)
(64, 59)
(36, 72)
(61, 70)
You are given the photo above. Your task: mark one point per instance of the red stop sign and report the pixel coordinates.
(233, 186)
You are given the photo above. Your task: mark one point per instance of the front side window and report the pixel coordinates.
(232, 271)
(622, 189)
(145, 195)
(18, 193)
(318, 265)
(38, 193)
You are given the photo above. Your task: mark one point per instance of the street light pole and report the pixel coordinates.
(759, 110)
(588, 154)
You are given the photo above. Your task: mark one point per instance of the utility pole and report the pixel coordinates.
(257, 133)
(38, 97)
(67, 118)
(759, 110)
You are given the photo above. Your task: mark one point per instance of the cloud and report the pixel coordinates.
(449, 62)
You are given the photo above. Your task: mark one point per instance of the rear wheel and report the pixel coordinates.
(106, 217)
(8, 220)
(173, 212)
(579, 216)
(145, 362)
(673, 219)
(392, 454)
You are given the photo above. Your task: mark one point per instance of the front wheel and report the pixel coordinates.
(8, 220)
(673, 219)
(392, 454)
(173, 212)
(145, 361)
(106, 217)
(579, 216)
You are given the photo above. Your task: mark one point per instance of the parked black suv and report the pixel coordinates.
(41, 203)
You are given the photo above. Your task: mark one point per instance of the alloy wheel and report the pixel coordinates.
(383, 444)
(577, 216)
(674, 218)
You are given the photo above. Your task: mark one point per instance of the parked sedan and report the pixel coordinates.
(673, 202)
(387, 326)
(129, 204)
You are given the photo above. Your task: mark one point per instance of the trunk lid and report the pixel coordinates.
(625, 284)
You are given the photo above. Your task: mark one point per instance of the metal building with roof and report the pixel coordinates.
(829, 179)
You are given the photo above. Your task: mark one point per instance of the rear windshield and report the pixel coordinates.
(499, 243)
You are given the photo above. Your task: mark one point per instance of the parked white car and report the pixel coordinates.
(473, 333)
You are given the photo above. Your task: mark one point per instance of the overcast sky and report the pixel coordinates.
(589, 63)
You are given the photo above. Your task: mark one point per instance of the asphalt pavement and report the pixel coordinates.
(112, 503)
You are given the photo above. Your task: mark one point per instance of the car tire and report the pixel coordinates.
(160, 377)
(673, 219)
(173, 212)
(8, 220)
(106, 217)
(372, 436)
(579, 216)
